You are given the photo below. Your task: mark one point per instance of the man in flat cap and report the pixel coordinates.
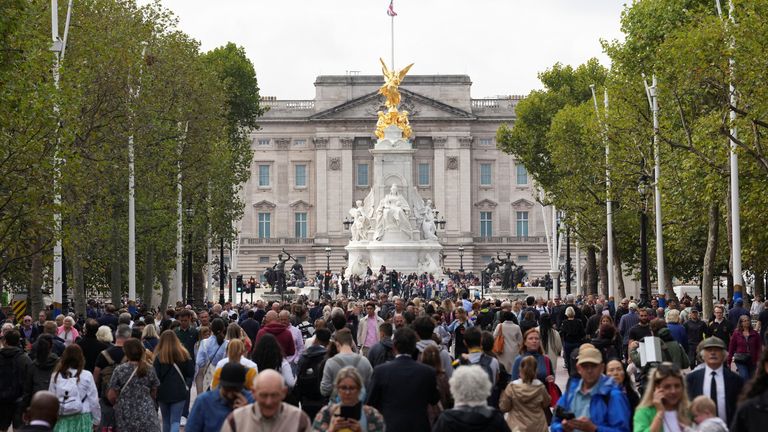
(714, 379)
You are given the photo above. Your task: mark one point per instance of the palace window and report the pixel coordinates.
(522, 224)
(362, 175)
(265, 222)
(486, 224)
(263, 175)
(423, 174)
(485, 174)
(300, 225)
(522, 175)
(301, 175)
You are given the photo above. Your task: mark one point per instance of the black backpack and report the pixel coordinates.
(11, 388)
(484, 362)
(307, 387)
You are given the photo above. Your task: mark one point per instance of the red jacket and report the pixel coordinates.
(282, 334)
(738, 344)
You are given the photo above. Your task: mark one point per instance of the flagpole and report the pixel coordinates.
(392, 34)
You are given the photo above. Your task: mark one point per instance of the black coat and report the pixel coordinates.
(91, 347)
(474, 419)
(401, 390)
(752, 415)
(251, 328)
(733, 384)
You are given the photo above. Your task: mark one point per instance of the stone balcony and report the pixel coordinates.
(276, 241)
(510, 240)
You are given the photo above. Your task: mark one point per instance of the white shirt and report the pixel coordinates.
(243, 361)
(671, 424)
(720, 381)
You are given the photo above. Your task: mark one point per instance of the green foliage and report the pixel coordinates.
(187, 112)
(687, 46)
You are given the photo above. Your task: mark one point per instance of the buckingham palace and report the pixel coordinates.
(312, 161)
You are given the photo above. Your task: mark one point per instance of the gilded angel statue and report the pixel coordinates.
(392, 81)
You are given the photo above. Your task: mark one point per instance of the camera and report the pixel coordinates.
(564, 413)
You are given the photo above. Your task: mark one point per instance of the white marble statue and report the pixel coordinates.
(428, 265)
(392, 214)
(359, 266)
(360, 223)
(428, 228)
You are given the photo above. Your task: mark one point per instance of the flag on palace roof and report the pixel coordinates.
(391, 9)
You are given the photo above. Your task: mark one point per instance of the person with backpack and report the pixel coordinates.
(473, 339)
(133, 391)
(310, 374)
(105, 366)
(14, 367)
(345, 357)
(75, 389)
(175, 368)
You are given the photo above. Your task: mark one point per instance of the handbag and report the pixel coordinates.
(498, 342)
(743, 358)
(552, 388)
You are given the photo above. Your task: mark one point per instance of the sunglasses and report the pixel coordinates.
(667, 369)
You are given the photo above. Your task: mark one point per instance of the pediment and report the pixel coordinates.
(264, 205)
(300, 205)
(522, 203)
(486, 204)
(418, 106)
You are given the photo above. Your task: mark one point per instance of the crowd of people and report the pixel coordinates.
(414, 361)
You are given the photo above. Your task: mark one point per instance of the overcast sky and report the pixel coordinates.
(500, 44)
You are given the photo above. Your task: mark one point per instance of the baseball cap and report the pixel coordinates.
(589, 354)
(233, 376)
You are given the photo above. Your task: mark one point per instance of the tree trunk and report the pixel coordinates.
(116, 273)
(162, 275)
(621, 291)
(591, 270)
(670, 293)
(759, 283)
(149, 278)
(199, 287)
(79, 291)
(710, 256)
(35, 292)
(604, 267)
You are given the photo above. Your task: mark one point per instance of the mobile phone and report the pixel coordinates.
(351, 412)
(564, 413)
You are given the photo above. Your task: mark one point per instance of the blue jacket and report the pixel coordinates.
(209, 411)
(608, 410)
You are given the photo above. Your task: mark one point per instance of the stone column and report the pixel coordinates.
(321, 191)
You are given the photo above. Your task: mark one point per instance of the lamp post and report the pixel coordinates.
(461, 258)
(222, 272)
(642, 189)
(188, 289)
(567, 259)
(327, 259)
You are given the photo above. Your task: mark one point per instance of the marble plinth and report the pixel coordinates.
(421, 256)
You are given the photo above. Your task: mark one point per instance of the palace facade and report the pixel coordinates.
(312, 161)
